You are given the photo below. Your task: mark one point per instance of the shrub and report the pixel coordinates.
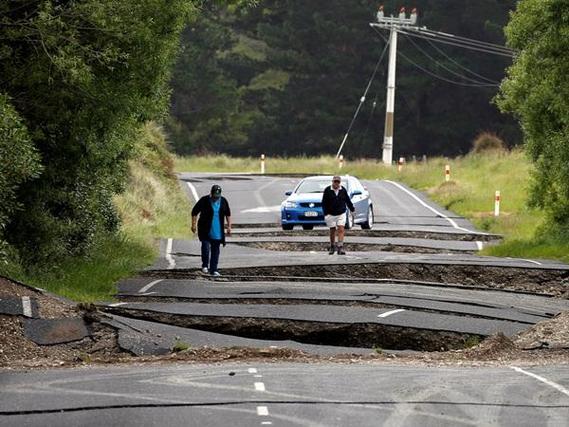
(487, 142)
(19, 162)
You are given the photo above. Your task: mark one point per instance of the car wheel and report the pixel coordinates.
(369, 223)
(307, 227)
(288, 227)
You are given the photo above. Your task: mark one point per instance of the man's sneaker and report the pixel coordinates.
(331, 250)
(341, 251)
(215, 274)
(205, 270)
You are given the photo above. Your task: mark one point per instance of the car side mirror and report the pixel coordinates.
(356, 193)
(288, 193)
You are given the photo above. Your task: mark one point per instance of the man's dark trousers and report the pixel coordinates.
(214, 259)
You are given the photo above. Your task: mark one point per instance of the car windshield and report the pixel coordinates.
(312, 186)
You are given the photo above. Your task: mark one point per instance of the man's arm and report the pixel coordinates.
(325, 201)
(348, 201)
(228, 218)
(195, 212)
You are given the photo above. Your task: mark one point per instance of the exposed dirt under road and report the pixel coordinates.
(357, 247)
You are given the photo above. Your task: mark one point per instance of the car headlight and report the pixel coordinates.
(290, 205)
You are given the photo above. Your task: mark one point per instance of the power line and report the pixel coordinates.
(457, 74)
(464, 39)
(457, 43)
(458, 64)
(432, 74)
(362, 99)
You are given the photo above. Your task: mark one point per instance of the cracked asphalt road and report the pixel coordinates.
(287, 395)
(316, 394)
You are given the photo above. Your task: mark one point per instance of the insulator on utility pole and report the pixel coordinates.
(413, 16)
(380, 13)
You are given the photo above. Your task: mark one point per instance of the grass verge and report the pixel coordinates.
(470, 192)
(152, 206)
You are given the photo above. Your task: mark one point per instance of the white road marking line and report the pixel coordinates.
(263, 209)
(262, 411)
(171, 262)
(193, 191)
(147, 287)
(479, 245)
(533, 262)
(556, 386)
(27, 306)
(266, 423)
(258, 376)
(451, 221)
(259, 386)
(389, 313)
(252, 370)
(117, 304)
(147, 293)
(257, 192)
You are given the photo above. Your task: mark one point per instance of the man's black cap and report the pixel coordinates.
(216, 190)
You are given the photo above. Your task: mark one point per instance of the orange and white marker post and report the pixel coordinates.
(341, 161)
(447, 173)
(497, 198)
(400, 164)
(262, 164)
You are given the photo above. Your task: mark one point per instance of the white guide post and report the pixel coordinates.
(497, 198)
(262, 164)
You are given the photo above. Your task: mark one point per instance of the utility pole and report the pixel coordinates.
(393, 24)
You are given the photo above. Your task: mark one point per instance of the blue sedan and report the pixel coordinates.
(304, 204)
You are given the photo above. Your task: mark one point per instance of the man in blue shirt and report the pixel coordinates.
(213, 210)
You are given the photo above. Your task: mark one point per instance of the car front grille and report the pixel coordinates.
(307, 205)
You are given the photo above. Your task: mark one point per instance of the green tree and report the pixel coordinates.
(19, 162)
(537, 92)
(82, 76)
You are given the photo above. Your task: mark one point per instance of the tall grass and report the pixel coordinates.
(470, 192)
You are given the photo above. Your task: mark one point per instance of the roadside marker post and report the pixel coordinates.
(262, 164)
(400, 164)
(497, 198)
(341, 161)
(447, 173)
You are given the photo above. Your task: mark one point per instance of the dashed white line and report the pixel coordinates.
(262, 411)
(389, 313)
(169, 258)
(266, 423)
(27, 306)
(252, 370)
(451, 221)
(259, 386)
(258, 376)
(147, 287)
(556, 386)
(193, 191)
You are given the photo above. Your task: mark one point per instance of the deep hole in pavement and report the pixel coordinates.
(357, 247)
(466, 237)
(549, 282)
(364, 335)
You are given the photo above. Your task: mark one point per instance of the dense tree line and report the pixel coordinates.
(537, 92)
(77, 80)
(285, 77)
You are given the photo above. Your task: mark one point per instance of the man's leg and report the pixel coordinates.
(205, 253)
(332, 240)
(214, 256)
(341, 232)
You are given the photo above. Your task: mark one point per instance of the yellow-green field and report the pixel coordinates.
(470, 192)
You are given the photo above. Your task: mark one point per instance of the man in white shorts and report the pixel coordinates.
(335, 203)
